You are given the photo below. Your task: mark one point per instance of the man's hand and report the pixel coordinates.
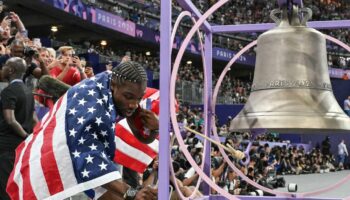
(76, 62)
(149, 119)
(147, 193)
(155, 164)
(14, 17)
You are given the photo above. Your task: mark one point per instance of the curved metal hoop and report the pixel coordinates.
(172, 100)
(177, 23)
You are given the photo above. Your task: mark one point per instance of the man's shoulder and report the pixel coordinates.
(8, 89)
(15, 88)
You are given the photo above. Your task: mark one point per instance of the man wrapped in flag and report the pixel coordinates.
(133, 155)
(73, 148)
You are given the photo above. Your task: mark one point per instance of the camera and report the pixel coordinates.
(29, 52)
(8, 15)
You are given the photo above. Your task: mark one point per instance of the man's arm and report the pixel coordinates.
(63, 73)
(79, 67)
(217, 172)
(119, 188)
(19, 24)
(10, 119)
(190, 180)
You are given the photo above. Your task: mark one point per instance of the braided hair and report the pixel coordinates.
(129, 71)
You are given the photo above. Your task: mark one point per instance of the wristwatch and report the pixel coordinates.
(130, 194)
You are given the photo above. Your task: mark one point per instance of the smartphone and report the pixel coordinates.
(37, 42)
(8, 15)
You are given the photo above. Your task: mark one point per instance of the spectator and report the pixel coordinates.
(326, 146)
(109, 66)
(342, 153)
(16, 117)
(52, 55)
(68, 68)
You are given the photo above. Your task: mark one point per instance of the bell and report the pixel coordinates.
(291, 90)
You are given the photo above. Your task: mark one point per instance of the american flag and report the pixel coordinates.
(72, 150)
(130, 152)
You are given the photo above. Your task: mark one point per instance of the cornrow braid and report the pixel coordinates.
(129, 71)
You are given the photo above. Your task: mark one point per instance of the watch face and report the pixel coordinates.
(131, 192)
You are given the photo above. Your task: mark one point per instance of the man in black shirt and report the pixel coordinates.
(16, 117)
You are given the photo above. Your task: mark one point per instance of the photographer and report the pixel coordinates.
(30, 55)
(36, 58)
(67, 68)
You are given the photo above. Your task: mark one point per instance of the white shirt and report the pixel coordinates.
(342, 149)
(347, 104)
(190, 173)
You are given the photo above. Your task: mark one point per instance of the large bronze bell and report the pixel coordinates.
(291, 90)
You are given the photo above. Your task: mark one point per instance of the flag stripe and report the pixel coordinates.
(17, 174)
(48, 161)
(132, 152)
(130, 140)
(153, 147)
(86, 186)
(129, 162)
(25, 169)
(36, 172)
(153, 97)
(15, 189)
(27, 187)
(61, 151)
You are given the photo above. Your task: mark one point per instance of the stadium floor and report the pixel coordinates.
(306, 183)
(312, 182)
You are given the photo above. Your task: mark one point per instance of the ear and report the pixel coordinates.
(11, 71)
(113, 84)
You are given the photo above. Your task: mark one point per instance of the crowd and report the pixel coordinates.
(64, 65)
(237, 12)
(266, 165)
